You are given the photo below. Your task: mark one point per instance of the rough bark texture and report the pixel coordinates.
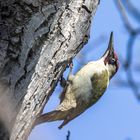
(37, 40)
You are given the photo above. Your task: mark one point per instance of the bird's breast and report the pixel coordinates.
(91, 88)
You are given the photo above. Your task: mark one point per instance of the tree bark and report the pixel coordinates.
(38, 38)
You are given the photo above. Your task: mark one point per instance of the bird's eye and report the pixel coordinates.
(112, 61)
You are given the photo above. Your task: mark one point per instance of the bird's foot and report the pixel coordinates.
(63, 81)
(70, 75)
(70, 65)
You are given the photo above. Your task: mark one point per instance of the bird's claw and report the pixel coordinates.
(70, 65)
(63, 81)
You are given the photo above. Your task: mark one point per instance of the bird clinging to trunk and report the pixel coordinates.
(84, 88)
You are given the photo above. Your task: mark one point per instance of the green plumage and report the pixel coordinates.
(99, 84)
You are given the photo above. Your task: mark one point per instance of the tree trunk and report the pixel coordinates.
(38, 38)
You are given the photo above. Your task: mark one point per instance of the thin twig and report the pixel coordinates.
(130, 45)
(68, 135)
(125, 19)
(129, 51)
(124, 16)
(132, 10)
(133, 84)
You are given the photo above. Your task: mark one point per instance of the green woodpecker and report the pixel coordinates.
(84, 88)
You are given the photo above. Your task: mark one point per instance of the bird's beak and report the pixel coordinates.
(110, 49)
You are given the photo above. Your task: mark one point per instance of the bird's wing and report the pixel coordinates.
(68, 100)
(62, 95)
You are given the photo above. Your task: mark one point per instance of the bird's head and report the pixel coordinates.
(110, 58)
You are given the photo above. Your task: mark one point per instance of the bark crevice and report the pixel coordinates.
(37, 40)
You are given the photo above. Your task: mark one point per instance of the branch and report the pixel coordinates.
(67, 33)
(133, 33)
(130, 44)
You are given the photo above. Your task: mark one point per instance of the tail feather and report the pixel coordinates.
(51, 116)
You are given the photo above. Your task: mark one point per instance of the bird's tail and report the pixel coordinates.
(51, 116)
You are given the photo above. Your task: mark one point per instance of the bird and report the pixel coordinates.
(84, 88)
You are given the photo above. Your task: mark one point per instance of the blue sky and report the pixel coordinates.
(116, 116)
